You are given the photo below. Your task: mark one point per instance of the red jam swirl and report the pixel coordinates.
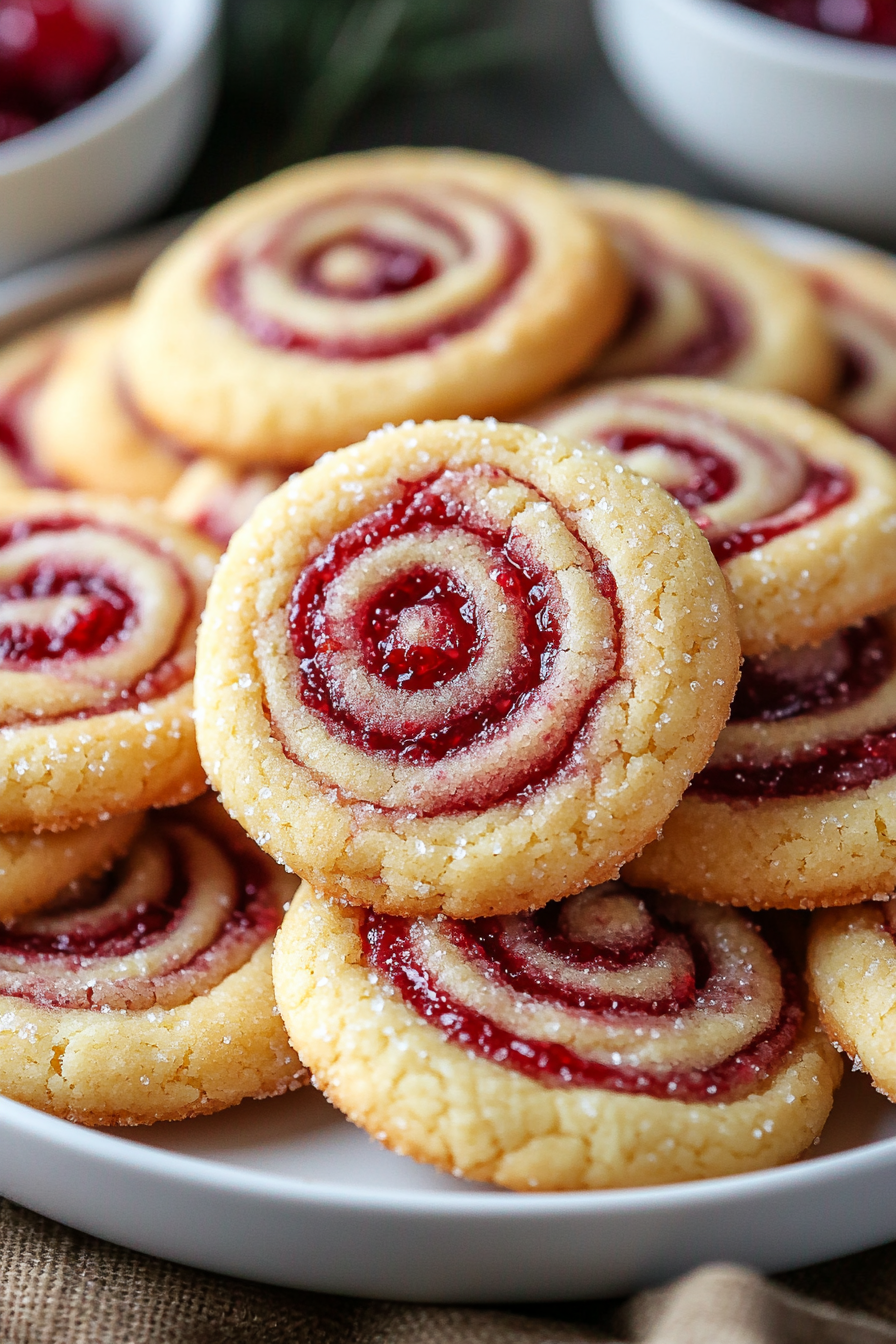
(536, 963)
(392, 267)
(102, 615)
(704, 353)
(88, 951)
(94, 612)
(860, 20)
(859, 369)
(714, 477)
(423, 629)
(861, 659)
(15, 440)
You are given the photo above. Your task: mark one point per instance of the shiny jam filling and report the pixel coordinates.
(861, 660)
(713, 477)
(422, 631)
(515, 954)
(860, 20)
(364, 266)
(101, 611)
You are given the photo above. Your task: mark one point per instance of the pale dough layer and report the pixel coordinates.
(852, 973)
(134, 1068)
(785, 853)
(657, 724)
(34, 868)
(395, 1076)
(198, 375)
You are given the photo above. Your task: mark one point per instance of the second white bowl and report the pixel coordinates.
(800, 119)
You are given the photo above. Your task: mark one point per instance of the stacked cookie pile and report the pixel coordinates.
(470, 681)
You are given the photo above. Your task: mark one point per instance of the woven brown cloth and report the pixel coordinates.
(60, 1287)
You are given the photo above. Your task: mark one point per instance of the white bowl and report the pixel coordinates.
(798, 118)
(124, 152)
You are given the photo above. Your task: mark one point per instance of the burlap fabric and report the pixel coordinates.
(59, 1287)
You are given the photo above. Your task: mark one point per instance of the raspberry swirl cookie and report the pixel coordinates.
(613, 1038)
(707, 299)
(852, 975)
(800, 512)
(364, 288)
(216, 499)
(34, 868)
(462, 666)
(801, 785)
(99, 604)
(147, 995)
(857, 291)
(85, 427)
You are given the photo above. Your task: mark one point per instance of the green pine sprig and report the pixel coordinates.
(317, 61)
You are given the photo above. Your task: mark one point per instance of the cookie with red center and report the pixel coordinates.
(462, 666)
(799, 511)
(707, 299)
(857, 291)
(613, 1038)
(25, 366)
(801, 785)
(365, 288)
(99, 604)
(84, 426)
(147, 994)
(215, 498)
(851, 966)
(35, 867)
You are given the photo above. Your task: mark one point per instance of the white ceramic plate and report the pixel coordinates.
(288, 1192)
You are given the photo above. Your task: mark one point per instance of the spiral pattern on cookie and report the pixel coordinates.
(93, 617)
(865, 334)
(19, 464)
(682, 319)
(811, 721)
(454, 642)
(369, 274)
(624, 990)
(743, 486)
(187, 907)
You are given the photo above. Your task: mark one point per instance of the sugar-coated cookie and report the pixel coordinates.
(462, 666)
(216, 498)
(35, 867)
(84, 427)
(708, 299)
(99, 604)
(610, 1039)
(852, 975)
(25, 365)
(149, 996)
(857, 291)
(797, 806)
(799, 511)
(340, 294)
